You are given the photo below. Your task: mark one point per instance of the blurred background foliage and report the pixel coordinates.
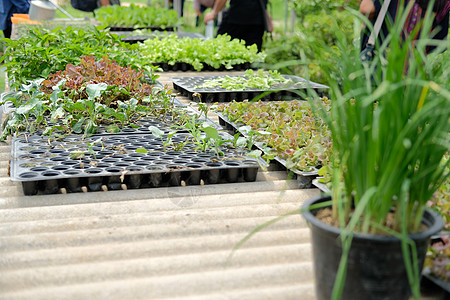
(301, 32)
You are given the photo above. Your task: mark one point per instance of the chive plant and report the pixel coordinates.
(390, 128)
(389, 122)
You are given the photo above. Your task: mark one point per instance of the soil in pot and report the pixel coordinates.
(375, 266)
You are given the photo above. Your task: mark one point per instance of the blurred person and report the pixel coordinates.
(7, 9)
(200, 6)
(244, 19)
(182, 6)
(91, 5)
(440, 26)
(109, 2)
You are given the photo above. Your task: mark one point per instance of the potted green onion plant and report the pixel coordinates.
(390, 128)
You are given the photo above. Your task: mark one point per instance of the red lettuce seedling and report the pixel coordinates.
(122, 81)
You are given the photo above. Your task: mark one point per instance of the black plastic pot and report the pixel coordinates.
(375, 267)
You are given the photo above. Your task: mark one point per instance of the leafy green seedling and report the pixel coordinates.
(159, 134)
(203, 107)
(250, 80)
(213, 137)
(142, 150)
(239, 141)
(190, 123)
(252, 134)
(257, 154)
(95, 90)
(90, 149)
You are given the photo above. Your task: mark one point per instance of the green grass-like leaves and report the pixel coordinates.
(389, 122)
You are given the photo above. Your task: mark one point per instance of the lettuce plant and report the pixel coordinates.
(137, 16)
(217, 52)
(250, 80)
(127, 82)
(296, 133)
(42, 52)
(83, 97)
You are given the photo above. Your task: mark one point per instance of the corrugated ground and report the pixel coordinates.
(164, 243)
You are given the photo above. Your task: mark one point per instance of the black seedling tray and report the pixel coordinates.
(187, 86)
(320, 185)
(181, 66)
(439, 283)
(304, 178)
(112, 163)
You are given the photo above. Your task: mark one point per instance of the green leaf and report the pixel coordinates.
(54, 96)
(77, 127)
(156, 131)
(91, 128)
(211, 133)
(133, 102)
(241, 142)
(141, 150)
(95, 90)
(255, 153)
(79, 106)
(113, 128)
(246, 128)
(57, 114)
(25, 108)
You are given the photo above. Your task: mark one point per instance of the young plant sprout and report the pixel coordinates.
(250, 80)
(90, 150)
(213, 137)
(252, 134)
(159, 134)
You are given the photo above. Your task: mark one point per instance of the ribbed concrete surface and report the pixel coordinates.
(165, 243)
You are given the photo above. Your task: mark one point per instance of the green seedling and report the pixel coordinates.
(257, 154)
(197, 52)
(159, 134)
(250, 80)
(252, 135)
(202, 107)
(90, 149)
(239, 141)
(292, 126)
(190, 123)
(213, 137)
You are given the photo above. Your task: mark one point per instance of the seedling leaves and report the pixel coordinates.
(156, 131)
(141, 150)
(95, 90)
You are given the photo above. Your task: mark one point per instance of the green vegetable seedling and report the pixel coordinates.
(158, 133)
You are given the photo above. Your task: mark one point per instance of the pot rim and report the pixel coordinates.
(430, 218)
